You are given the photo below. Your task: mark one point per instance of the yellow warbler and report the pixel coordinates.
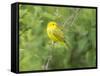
(55, 33)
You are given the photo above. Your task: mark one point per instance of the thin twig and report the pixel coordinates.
(46, 66)
(76, 16)
(47, 63)
(72, 18)
(56, 12)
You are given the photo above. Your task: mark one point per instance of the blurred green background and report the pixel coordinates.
(35, 46)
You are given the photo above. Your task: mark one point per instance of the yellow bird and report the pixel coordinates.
(55, 33)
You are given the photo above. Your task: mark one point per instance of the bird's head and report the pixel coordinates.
(52, 24)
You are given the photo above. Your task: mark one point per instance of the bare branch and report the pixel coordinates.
(72, 18)
(47, 63)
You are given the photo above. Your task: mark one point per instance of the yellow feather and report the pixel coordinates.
(55, 33)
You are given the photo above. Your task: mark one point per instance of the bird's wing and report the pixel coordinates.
(58, 34)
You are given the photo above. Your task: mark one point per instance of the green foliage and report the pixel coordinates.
(35, 46)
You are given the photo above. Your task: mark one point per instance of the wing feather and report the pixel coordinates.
(58, 34)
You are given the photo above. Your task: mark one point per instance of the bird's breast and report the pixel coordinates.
(51, 35)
